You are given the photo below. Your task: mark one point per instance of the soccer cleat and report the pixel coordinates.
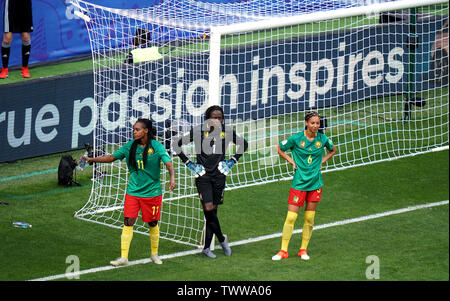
(4, 73)
(280, 255)
(208, 253)
(155, 259)
(119, 262)
(302, 254)
(226, 248)
(25, 73)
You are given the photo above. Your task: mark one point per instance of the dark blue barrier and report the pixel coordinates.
(45, 116)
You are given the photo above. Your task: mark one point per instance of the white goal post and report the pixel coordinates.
(376, 70)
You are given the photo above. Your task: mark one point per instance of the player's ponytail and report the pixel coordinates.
(132, 155)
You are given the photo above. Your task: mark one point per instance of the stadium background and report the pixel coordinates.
(59, 34)
(60, 116)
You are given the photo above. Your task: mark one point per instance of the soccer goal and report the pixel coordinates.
(377, 72)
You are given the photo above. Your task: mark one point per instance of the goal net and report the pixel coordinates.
(376, 71)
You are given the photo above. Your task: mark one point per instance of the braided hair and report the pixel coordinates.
(310, 115)
(150, 136)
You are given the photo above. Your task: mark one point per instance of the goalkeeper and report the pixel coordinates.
(308, 151)
(211, 139)
(144, 155)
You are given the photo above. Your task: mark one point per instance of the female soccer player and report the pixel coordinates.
(143, 155)
(308, 151)
(211, 139)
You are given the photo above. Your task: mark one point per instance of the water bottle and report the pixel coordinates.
(21, 225)
(82, 162)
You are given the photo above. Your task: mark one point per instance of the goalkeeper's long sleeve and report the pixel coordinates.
(180, 141)
(242, 145)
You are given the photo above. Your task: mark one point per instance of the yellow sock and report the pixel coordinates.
(288, 228)
(125, 240)
(154, 239)
(307, 228)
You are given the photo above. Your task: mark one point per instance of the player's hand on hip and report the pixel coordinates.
(225, 166)
(197, 169)
(293, 164)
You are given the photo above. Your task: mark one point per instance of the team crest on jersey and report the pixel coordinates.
(302, 143)
(151, 151)
(318, 144)
(206, 134)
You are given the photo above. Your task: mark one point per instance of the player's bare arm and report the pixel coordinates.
(329, 155)
(285, 156)
(103, 159)
(169, 166)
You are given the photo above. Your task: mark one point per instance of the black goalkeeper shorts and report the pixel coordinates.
(211, 188)
(17, 16)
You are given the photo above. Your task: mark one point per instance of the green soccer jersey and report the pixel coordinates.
(145, 180)
(308, 157)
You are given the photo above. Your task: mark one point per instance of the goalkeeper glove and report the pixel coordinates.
(197, 169)
(225, 166)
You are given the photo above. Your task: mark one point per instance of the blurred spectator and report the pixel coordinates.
(144, 50)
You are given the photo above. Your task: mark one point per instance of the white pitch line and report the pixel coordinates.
(246, 241)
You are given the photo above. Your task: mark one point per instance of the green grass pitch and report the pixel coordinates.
(410, 246)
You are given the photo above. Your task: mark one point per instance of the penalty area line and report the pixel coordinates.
(246, 241)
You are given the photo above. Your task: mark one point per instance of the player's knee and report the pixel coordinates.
(128, 221)
(291, 217)
(153, 224)
(309, 217)
(210, 215)
(209, 206)
(25, 36)
(7, 38)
